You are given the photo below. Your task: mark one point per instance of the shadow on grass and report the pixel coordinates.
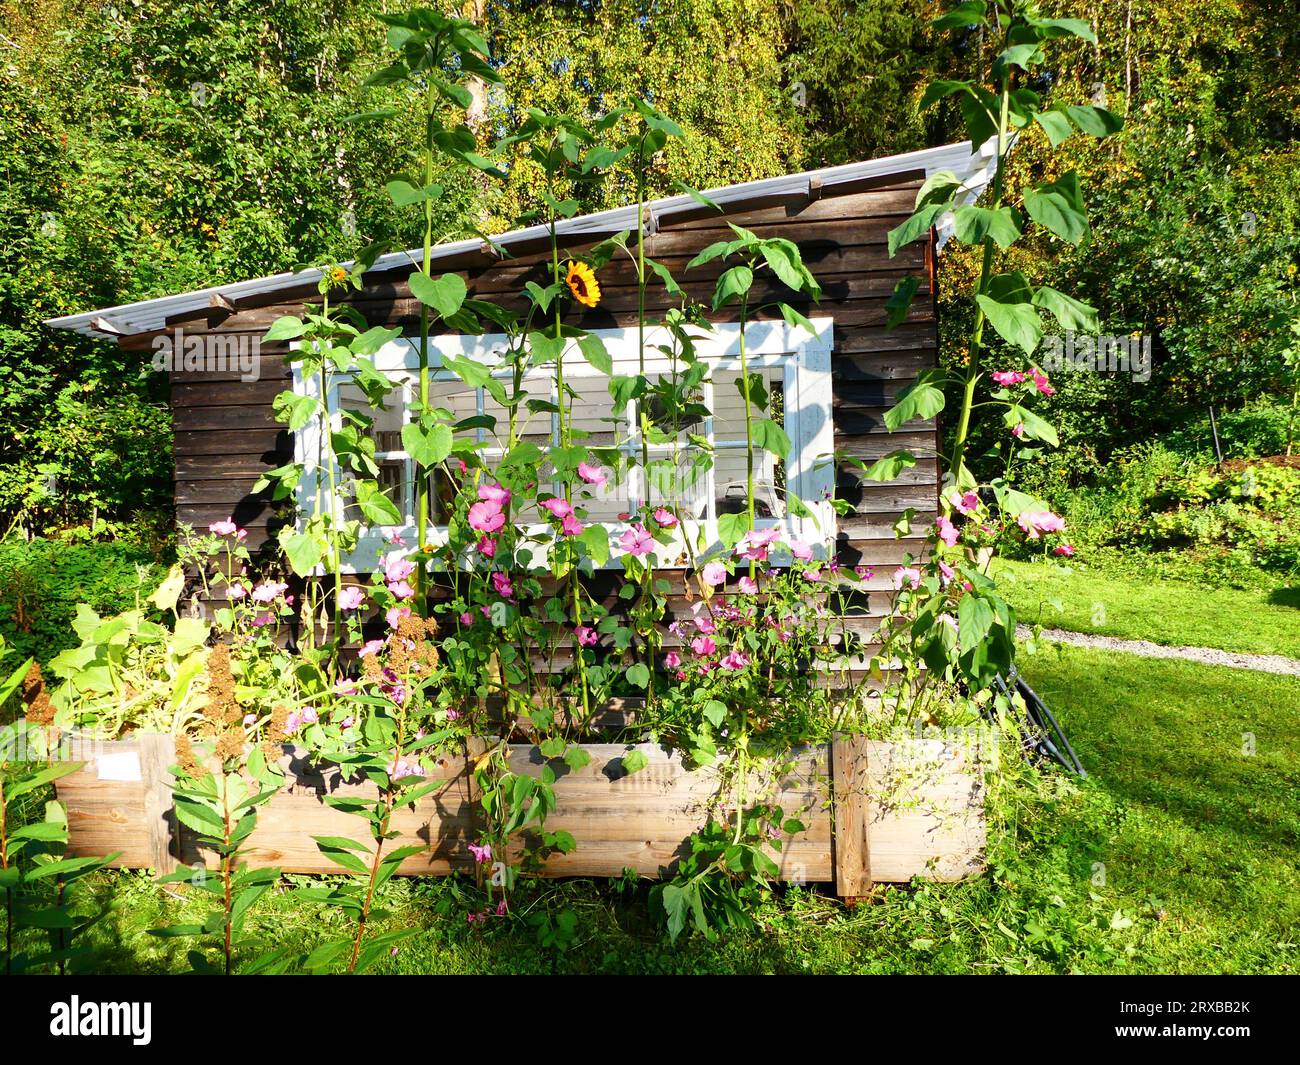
(1288, 596)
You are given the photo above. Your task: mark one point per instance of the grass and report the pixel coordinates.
(1101, 601)
(1180, 854)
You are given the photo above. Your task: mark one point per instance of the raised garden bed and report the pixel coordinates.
(875, 811)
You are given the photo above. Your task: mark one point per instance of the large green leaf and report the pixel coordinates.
(286, 328)
(444, 294)
(916, 227)
(732, 285)
(771, 437)
(1096, 121)
(918, 400)
(1016, 323)
(972, 225)
(303, 550)
(427, 441)
(889, 467)
(1071, 313)
(1055, 125)
(1059, 207)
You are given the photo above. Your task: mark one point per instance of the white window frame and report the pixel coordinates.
(809, 472)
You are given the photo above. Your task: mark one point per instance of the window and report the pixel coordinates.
(795, 369)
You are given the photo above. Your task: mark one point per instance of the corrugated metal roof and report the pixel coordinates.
(974, 168)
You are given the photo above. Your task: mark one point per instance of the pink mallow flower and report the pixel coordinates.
(351, 597)
(224, 528)
(1036, 522)
(395, 614)
(801, 550)
(672, 660)
(571, 526)
(713, 574)
(1065, 549)
(946, 529)
(748, 585)
(269, 591)
(1040, 382)
(637, 541)
(755, 543)
(398, 569)
(969, 503)
(666, 518)
(1007, 378)
(907, 577)
(494, 493)
(482, 852)
(734, 660)
(587, 636)
(592, 473)
(487, 547)
(486, 517)
(502, 586)
(704, 645)
(401, 589)
(558, 507)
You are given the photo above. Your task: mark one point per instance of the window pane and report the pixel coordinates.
(393, 483)
(533, 425)
(591, 413)
(729, 429)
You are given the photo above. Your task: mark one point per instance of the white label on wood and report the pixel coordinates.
(124, 765)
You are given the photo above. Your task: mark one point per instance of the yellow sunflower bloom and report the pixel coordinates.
(582, 282)
(338, 275)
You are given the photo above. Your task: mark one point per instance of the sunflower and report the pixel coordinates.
(338, 275)
(582, 282)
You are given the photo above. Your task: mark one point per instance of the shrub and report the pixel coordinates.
(42, 581)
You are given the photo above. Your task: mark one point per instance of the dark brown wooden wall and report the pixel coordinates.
(226, 435)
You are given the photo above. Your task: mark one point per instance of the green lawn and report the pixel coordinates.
(1180, 854)
(1083, 599)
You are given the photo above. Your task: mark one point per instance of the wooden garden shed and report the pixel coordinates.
(837, 385)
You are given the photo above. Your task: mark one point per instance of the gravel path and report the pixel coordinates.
(1147, 649)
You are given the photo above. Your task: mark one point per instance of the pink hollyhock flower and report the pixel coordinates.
(734, 660)
(672, 660)
(755, 543)
(371, 647)
(401, 589)
(1036, 522)
(666, 518)
(269, 591)
(801, 550)
(704, 645)
(482, 852)
(714, 574)
(398, 569)
(592, 474)
(351, 597)
(571, 526)
(947, 530)
(1018, 430)
(1007, 378)
(948, 572)
(748, 585)
(1040, 383)
(224, 528)
(813, 575)
(705, 624)
(559, 508)
(467, 618)
(486, 517)
(487, 547)
(969, 503)
(236, 591)
(494, 494)
(587, 636)
(637, 541)
(502, 586)
(395, 615)
(1065, 549)
(907, 577)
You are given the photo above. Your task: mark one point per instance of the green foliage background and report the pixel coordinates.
(150, 147)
